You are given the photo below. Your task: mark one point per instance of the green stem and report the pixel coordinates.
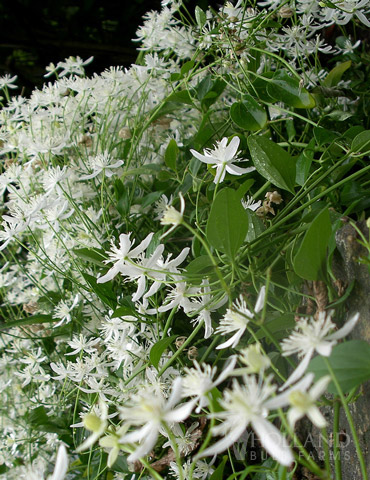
(181, 349)
(307, 204)
(349, 419)
(326, 450)
(336, 447)
(169, 321)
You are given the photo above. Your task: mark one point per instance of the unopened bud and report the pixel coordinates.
(124, 133)
(286, 12)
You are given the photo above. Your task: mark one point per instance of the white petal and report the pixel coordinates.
(299, 371)
(146, 447)
(260, 300)
(232, 148)
(320, 387)
(232, 340)
(234, 170)
(181, 413)
(362, 18)
(140, 289)
(175, 393)
(316, 417)
(347, 327)
(324, 348)
(293, 416)
(220, 174)
(228, 368)
(109, 275)
(61, 464)
(204, 158)
(282, 400)
(225, 443)
(273, 441)
(136, 435)
(142, 246)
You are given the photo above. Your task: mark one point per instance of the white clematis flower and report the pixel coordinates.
(249, 404)
(222, 157)
(311, 336)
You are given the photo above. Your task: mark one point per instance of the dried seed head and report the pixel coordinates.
(179, 342)
(274, 197)
(192, 353)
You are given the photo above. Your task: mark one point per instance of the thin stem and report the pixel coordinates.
(336, 447)
(181, 349)
(349, 419)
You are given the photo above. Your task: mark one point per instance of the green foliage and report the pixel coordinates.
(227, 224)
(273, 162)
(310, 259)
(350, 362)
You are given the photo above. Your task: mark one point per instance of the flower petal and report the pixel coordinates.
(231, 149)
(299, 371)
(273, 441)
(347, 327)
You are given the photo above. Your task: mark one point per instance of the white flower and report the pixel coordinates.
(222, 157)
(311, 336)
(63, 311)
(256, 361)
(205, 306)
(123, 255)
(6, 81)
(151, 410)
(103, 162)
(237, 319)
(304, 403)
(96, 425)
(173, 217)
(199, 381)
(249, 404)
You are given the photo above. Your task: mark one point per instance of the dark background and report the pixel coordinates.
(34, 34)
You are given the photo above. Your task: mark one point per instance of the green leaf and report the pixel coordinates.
(218, 474)
(310, 258)
(149, 169)
(33, 320)
(187, 67)
(227, 224)
(200, 265)
(324, 136)
(248, 114)
(171, 154)
(244, 187)
(281, 324)
(350, 362)
(200, 17)
(158, 348)
(361, 143)
(304, 162)
(286, 89)
(273, 162)
(122, 312)
(203, 87)
(90, 255)
(255, 226)
(102, 290)
(335, 75)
